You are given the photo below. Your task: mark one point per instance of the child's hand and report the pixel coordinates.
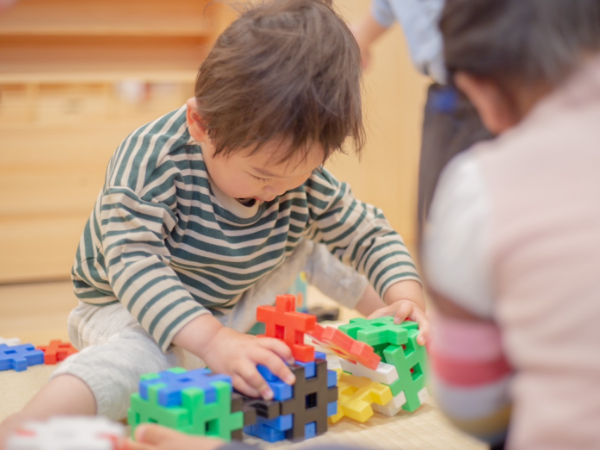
(154, 437)
(237, 355)
(405, 301)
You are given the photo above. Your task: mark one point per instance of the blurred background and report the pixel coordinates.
(77, 76)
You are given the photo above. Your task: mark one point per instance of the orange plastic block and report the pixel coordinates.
(283, 322)
(57, 351)
(346, 347)
(356, 395)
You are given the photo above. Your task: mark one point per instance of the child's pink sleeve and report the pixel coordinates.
(471, 376)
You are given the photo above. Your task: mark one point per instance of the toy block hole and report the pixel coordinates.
(416, 372)
(279, 331)
(185, 380)
(378, 324)
(149, 420)
(311, 401)
(408, 349)
(10, 352)
(211, 428)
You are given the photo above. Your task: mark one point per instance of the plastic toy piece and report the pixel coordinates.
(310, 402)
(57, 351)
(11, 342)
(385, 373)
(378, 331)
(410, 361)
(175, 380)
(391, 408)
(284, 323)
(345, 346)
(356, 395)
(69, 433)
(19, 357)
(194, 416)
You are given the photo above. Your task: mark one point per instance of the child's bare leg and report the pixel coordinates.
(63, 395)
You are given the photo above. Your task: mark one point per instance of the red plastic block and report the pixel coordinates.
(346, 347)
(283, 322)
(57, 351)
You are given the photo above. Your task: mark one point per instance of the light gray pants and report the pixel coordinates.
(115, 350)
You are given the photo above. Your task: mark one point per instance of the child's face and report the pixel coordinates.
(243, 175)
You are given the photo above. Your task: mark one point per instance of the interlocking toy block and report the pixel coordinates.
(57, 351)
(283, 322)
(304, 408)
(310, 404)
(385, 373)
(193, 415)
(19, 357)
(356, 395)
(410, 360)
(175, 380)
(69, 433)
(11, 342)
(391, 408)
(345, 346)
(379, 331)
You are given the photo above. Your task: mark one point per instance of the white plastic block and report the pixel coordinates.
(391, 408)
(68, 433)
(10, 342)
(423, 395)
(385, 373)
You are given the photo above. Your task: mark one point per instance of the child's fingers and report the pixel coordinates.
(382, 312)
(254, 379)
(277, 346)
(243, 387)
(277, 367)
(404, 311)
(424, 326)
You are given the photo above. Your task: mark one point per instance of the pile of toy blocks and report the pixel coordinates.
(202, 403)
(18, 357)
(396, 383)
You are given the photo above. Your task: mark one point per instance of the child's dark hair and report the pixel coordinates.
(285, 69)
(519, 41)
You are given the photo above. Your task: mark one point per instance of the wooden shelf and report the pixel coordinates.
(107, 18)
(101, 59)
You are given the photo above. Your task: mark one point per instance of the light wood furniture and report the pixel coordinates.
(65, 66)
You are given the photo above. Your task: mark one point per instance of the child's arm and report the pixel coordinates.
(471, 372)
(360, 236)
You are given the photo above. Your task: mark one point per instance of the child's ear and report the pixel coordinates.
(195, 122)
(494, 107)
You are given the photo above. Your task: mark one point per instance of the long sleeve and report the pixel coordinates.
(471, 375)
(357, 233)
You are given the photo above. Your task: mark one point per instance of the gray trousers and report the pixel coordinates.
(115, 350)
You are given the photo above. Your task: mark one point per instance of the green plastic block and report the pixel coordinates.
(193, 417)
(410, 361)
(378, 332)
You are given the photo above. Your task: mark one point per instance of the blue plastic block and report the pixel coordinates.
(270, 430)
(265, 433)
(281, 391)
(266, 373)
(332, 409)
(310, 368)
(19, 357)
(331, 378)
(310, 430)
(320, 355)
(175, 381)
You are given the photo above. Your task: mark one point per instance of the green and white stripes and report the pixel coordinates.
(159, 240)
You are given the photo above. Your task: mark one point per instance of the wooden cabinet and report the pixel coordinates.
(76, 77)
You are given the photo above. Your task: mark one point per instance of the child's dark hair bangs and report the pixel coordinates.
(285, 70)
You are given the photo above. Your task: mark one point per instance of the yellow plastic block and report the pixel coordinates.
(356, 395)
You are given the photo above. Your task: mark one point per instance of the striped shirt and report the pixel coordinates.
(162, 241)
